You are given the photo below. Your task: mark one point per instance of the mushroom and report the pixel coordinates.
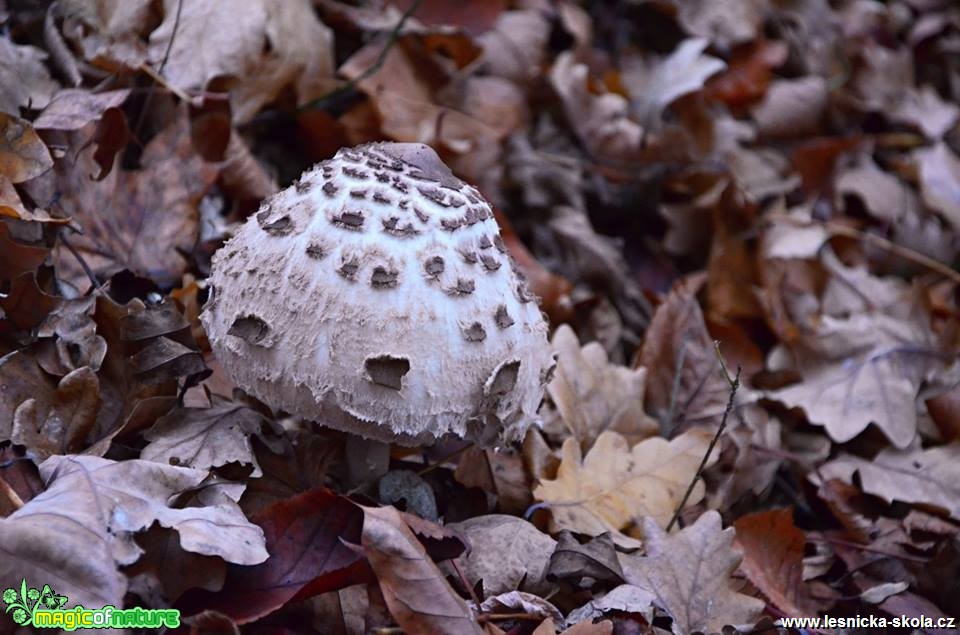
(368, 297)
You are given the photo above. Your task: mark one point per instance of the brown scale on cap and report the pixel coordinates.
(336, 333)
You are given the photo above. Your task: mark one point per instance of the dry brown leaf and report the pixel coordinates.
(613, 487)
(144, 220)
(791, 107)
(24, 79)
(677, 342)
(507, 553)
(73, 108)
(773, 550)
(924, 109)
(108, 34)
(264, 48)
(866, 369)
(602, 122)
(64, 426)
(655, 85)
(930, 477)
(688, 573)
(885, 196)
(94, 506)
(940, 181)
(593, 396)
(583, 566)
(625, 598)
(417, 594)
(23, 155)
(204, 438)
(520, 602)
(725, 23)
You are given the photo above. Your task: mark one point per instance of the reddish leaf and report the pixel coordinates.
(306, 538)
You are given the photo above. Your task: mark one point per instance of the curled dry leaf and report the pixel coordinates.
(930, 477)
(613, 487)
(506, 553)
(625, 598)
(688, 574)
(417, 594)
(587, 564)
(73, 108)
(593, 396)
(520, 602)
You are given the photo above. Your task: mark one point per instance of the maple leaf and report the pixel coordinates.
(612, 487)
(688, 574)
(507, 554)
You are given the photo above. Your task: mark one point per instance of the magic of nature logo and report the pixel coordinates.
(44, 608)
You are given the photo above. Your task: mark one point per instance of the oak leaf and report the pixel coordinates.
(613, 486)
(688, 574)
(918, 476)
(592, 395)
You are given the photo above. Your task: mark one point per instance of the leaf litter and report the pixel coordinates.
(780, 177)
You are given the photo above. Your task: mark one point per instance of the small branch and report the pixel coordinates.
(465, 582)
(373, 68)
(10, 494)
(500, 617)
(83, 263)
(734, 385)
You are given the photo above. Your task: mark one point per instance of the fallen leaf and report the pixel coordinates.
(205, 438)
(773, 551)
(940, 181)
(725, 23)
(507, 554)
(879, 593)
(24, 78)
(520, 602)
(613, 487)
(500, 472)
(417, 594)
(924, 109)
(65, 426)
(263, 49)
(625, 598)
(656, 85)
(677, 343)
(305, 536)
(142, 220)
(73, 108)
(593, 396)
(95, 506)
(885, 196)
(688, 573)
(930, 477)
(23, 155)
(791, 107)
(585, 565)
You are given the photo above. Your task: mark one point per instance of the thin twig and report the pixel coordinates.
(465, 582)
(500, 617)
(443, 460)
(734, 385)
(10, 494)
(159, 72)
(83, 263)
(667, 426)
(373, 68)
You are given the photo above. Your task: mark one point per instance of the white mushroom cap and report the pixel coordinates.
(376, 296)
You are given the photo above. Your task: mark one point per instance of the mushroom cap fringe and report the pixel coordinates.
(376, 296)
